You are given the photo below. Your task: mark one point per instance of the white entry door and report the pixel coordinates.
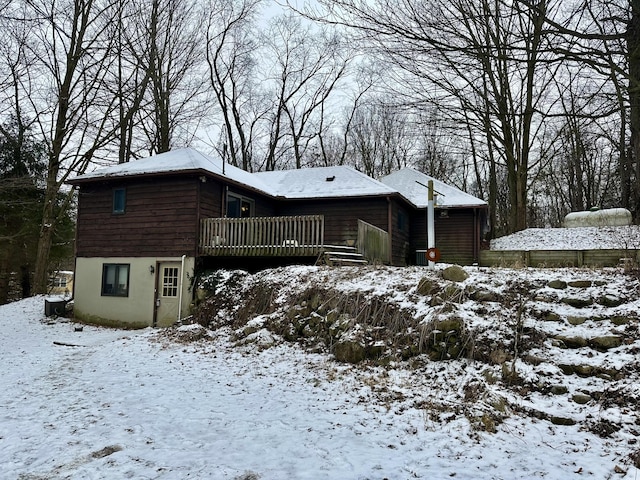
(167, 293)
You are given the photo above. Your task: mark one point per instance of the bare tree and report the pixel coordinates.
(231, 50)
(155, 74)
(438, 152)
(308, 67)
(130, 71)
(604, 36)
(333, 139)
(582, 171)
(63, 61)
(380, 139)
(176, 70)
(62, 58)
(484, 63)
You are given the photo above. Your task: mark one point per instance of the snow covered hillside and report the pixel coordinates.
(505, 374)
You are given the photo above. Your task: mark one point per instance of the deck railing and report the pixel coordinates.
(373, 243)
(301, 235)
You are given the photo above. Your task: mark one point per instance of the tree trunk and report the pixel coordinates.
(633, 49)
(47, 228)
(25, 281)
(4, 276)
(521, 201)
(493, 198)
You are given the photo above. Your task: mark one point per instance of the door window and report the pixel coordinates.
(170, 282)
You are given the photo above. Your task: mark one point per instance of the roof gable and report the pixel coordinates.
(412, 184)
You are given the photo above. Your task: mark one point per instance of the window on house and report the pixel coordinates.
(170, 282)
(115, 279)
(60, 282)
(239, 206)
(119, 200)
(402, 221)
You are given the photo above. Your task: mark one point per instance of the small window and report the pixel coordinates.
(60, 282)
(119, 200)
(170, 282)
(239, 207)
(115, 279)
(402, 221)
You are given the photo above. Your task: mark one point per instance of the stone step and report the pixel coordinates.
(601, 343)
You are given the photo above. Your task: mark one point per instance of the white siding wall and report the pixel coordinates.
(136, 309)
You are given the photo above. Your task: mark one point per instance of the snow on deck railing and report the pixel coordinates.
(301, 235)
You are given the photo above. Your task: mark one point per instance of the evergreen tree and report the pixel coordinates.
(22, 170)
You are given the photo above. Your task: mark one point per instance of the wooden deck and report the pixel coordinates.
(301, 235)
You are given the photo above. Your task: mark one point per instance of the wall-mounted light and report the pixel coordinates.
(152, 269)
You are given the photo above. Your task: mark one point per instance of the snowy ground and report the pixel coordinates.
(579, 238)
(111, 404)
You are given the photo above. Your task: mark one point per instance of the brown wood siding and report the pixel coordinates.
(400, 234)
(212, 194)
(341, 216)
(160, 218)
(163, 214)
(264, 206)
(455, 235)
(418, 240)
(210, 199)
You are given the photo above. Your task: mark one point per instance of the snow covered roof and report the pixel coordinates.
(180, 160)
(412, 184)
(305, 183)
(323, 182)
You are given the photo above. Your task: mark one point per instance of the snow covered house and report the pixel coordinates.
(460, 218)
(145, 228)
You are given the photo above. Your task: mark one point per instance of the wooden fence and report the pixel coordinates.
(558, 258)
(373, 243)
(301, 235)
